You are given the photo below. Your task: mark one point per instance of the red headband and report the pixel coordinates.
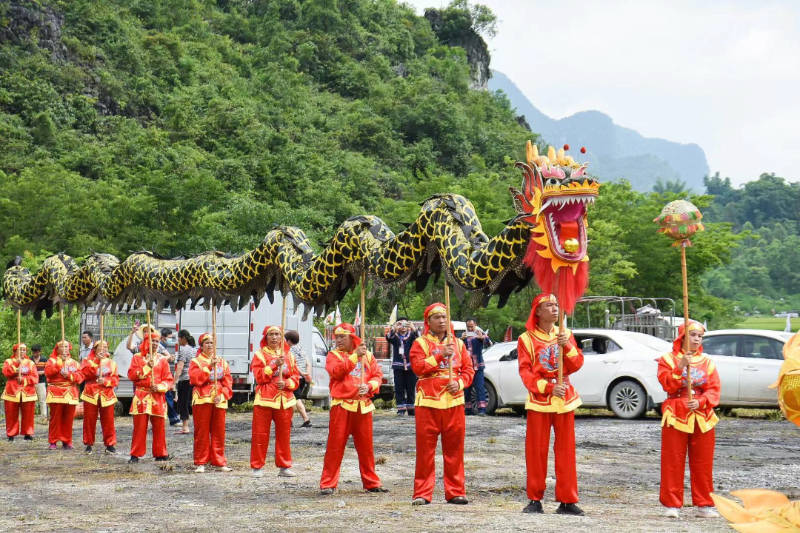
(436, 308)
(533, 321)
(348, 329)
(680, 341)
(54, 353)
(267, 330)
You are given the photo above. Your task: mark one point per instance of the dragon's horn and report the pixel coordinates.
(531, 178)
(531, 152)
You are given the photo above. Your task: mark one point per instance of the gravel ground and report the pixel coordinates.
(618, 472)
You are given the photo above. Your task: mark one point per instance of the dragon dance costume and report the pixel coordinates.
(351, 413)
(272, 404)
(685, 429)
(438, 411)
(538, 367)
(100, 377)
(63, 377)
(150, 385)
(212, 388)
(19, 395)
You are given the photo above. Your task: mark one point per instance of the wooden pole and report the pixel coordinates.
(101, 327)
(561, 325)
(61, 313)
(283, 333)
(214, 351)
(686, 322)
(363, 325)
(19, 335)
(449, 327)
(150, 348)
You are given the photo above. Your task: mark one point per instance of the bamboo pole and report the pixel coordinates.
(150, 349)
(283, 333)
(19, 336)
(686, 322)
(61, 313)
(561, 326)
(449, 328)
(214, 350)
(363, 325)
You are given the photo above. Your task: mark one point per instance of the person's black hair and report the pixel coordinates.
(87, 332)
(188, 336)
(165, 332)
(292, 336)
(402, 318)
(36, 348)
(470, 318)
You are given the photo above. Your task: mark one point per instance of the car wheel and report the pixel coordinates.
(519, 410)
(491, 398)
(627, 400)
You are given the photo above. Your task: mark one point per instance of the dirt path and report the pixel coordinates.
(618, 474)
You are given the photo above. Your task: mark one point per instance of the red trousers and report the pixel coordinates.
(61, 417)
(674, 445)
(13, 412)
(344, 423)
(451, 425)
(209, 434)
(139, 437)
(537, 446)
(90, 412)
(259, 443)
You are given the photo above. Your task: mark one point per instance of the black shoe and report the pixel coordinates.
(306, 424)
(133, 460)
(10, 439)
(88, 449)
(458, 500)
(469, 412)
(377, 489)
(28, 437)
(534, 506)
(326, 492)
(400, 413)
(164, 458)
(410, 412)
(482, 413)
(111, 450)
(569, 508)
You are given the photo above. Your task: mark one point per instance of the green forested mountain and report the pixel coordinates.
(180, 126)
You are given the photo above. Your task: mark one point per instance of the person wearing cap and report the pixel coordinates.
(149, 372)
(549, 404)
(210, 376)
(444, 370)
(354, 377)
(100, 376)
(688, 425)
(19, 394)
(277, 377)
(63, 377)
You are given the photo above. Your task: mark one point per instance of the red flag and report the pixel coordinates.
(509, 336)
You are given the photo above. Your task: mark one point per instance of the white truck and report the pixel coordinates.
(238, 334)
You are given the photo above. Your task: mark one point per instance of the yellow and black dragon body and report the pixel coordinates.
(446, 235)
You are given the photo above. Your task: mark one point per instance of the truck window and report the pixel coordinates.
(320, 349)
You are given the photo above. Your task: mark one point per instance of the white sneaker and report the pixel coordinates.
(200, 469)
(706, 512)
(224, 469)
(286, 472)
(671, 512)
(258, 472)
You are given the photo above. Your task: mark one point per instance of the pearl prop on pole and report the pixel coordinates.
(679, 220)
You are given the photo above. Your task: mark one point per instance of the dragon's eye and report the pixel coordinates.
(552, 181)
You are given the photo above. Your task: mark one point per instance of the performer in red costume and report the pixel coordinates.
(688, 424)
(444, 369)
(19, 395)
(277, 377)
(354, 377)
(210, 376)
(549, 405)
(100, 376)
(63, 377)
(151, 380)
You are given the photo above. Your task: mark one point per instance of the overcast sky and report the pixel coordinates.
(722, 74)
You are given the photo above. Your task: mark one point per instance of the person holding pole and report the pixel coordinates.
(211, 378)
(277, 376)
(688, 421)
(151, 378)
(100, 377)
(63, 377)
(354, 377)
(19, 395)
(444, 370)
(552, 401)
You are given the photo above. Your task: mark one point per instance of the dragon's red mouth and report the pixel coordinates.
(565, 225)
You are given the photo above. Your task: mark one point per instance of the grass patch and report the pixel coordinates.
(245, 407)
(764, 414)
(768, 322)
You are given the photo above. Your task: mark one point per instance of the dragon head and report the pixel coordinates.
(554, 196)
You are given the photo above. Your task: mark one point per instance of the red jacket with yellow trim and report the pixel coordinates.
(344, 369)
(705, 389)
(431, 367)
(146, 402)
(537, 357)
(265, 369)
(207, 386)
(100, 376)
(63, 388)
(16, 391)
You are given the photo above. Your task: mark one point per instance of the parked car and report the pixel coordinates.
(618, 373)
(748, 361)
